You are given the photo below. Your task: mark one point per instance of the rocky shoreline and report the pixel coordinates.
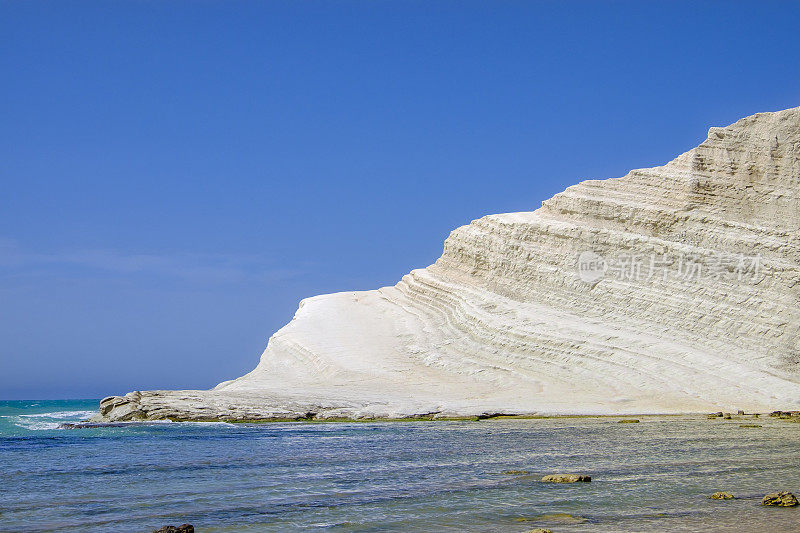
(200, 406)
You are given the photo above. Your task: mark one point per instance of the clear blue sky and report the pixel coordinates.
(176, 176)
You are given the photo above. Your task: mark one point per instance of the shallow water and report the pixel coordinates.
(392, 476)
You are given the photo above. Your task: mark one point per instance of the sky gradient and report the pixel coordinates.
(176, 176)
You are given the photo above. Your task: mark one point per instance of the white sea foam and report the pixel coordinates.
(54, 420)
(35, 424)
(62, 415)
(48, 421)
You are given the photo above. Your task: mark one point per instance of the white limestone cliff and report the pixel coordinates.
(695, 308)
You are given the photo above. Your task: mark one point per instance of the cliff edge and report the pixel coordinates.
(671, 289)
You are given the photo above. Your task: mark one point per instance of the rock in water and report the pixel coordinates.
(183, 528)
(672, 289)
(780, 499)
(566, 478)
(722, 496)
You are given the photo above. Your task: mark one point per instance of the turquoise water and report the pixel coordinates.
(392, 476)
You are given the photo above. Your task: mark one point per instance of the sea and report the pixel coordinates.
(651, 476)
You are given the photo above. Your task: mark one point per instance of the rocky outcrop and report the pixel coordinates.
(780, 499)
(672, 289)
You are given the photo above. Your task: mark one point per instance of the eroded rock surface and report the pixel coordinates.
(672, 289)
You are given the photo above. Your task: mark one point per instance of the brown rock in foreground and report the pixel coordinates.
(780, 499)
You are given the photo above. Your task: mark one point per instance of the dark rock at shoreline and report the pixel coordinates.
(629, 421)
(780, 499)
(487, 416)
(785, 414)
(90, 425)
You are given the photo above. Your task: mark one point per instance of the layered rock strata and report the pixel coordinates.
(672, 289)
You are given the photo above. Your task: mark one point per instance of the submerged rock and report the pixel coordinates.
(780, 499)
(91, 425)
(554, 518)
(183, 528)
(566, 478)
(722, 496)
(516, 472)
(629, 421)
